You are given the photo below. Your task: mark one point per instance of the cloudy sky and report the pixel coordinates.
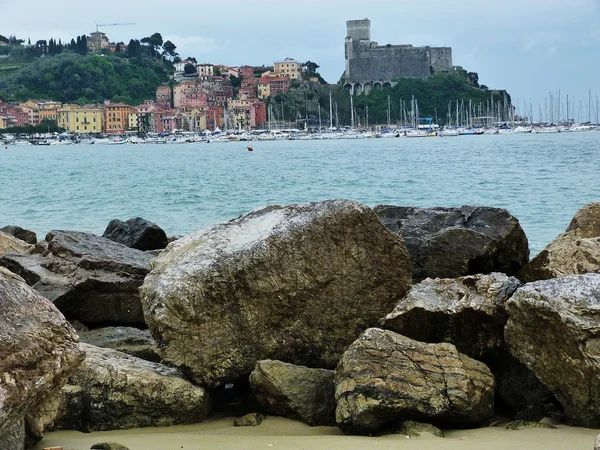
(529, 47)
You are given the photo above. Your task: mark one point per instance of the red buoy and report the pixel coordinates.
(250, 149)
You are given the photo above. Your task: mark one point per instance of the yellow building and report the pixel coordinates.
(82, 120)
(116, 117)
(289, 67)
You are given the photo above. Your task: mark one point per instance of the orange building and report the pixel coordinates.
(116, 117)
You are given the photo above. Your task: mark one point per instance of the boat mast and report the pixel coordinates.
(330, 113)
(351, 112)
(388, 113)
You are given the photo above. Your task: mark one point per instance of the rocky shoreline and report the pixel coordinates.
(377, 321)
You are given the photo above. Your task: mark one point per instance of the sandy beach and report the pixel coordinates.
(278, 433)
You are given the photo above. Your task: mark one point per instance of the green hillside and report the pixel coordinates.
(73, 78)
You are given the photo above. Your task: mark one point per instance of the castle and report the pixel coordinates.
(371, 66)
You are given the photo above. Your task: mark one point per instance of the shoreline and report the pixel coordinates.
(278, 432)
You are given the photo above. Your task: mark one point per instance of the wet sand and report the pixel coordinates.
(278, 433)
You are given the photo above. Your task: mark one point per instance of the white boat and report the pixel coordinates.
(580, 128)
(449, 132)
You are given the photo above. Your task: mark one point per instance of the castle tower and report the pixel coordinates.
(359, 29)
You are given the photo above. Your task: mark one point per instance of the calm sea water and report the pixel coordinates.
(541, 179)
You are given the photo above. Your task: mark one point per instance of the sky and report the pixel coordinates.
(529, 47)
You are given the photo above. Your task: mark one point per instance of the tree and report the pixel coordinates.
(311, 67)
(169, 50)
(154, 42)
(189, 69)
(3, 39)
(192, 59)
(235, 81)
(473, 78)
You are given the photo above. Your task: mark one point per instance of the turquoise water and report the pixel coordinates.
(541, 179)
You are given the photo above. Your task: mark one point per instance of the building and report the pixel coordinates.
(370, 66)
(288, 67)
(271, 84)
(205, 71)
(83, 120)
(163, 94)
(116, 117)
(97, 40)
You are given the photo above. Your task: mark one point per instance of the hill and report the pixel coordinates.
(433, 96)
(70, 77)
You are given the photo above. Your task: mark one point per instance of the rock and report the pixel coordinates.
(577, 251)
(10, 244)
(89, 278)
(249, 420)
(291, 283)
(414, 429)
(385, 377)
(38, 351)
(133, 341)
(597, 443)
(136, 233)
(108, 446)
(454, 242)
(467, 312)
(295, 392)
(118, 391)
(522, 425)
(20, 233)
(554, 329)
(522, 394)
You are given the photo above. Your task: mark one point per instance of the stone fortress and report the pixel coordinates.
(372, 66)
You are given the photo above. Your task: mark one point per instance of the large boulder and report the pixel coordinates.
(294, 283)
(38, 351)
(10, 244)
(296, 392)
(576, 251)
(453, 242)
(384, 378)
(112, 390)
(89, 278)
(137, 233)
(519, 393)
(467, 312)
(133, 341)
(554, 329)
(20, 233)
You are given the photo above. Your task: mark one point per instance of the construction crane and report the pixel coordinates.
(111, 25)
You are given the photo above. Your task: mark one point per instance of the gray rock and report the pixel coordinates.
(20, 233)
(108, 446)
(523, 395)
(577, 251)
(295, 392)
(453, 242)
(597, 443)
(291, 283)
(385, 377)
(10, 244)
(133, 341)
(523, 425)
(414, 429)
(136, 233)
(89, 278)
(38, 351)
(249, 420)
(467, 312)
(112, 390)
(554, 329)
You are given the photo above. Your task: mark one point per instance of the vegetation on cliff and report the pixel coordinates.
(432, 95)
(73, 78)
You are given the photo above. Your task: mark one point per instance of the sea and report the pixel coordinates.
(541, 179)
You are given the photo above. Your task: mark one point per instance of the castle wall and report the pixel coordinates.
(368, 62)
(359, 29)
(386, 63)
(441, 59)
